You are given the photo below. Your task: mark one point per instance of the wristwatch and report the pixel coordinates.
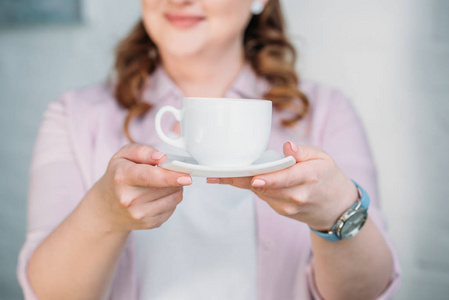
(351, 221)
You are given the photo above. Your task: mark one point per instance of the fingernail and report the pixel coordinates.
(213, 180)
(258, 183)
(294, 147)
(185, 180)
(157, 155)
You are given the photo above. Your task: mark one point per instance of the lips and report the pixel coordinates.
(183, 21)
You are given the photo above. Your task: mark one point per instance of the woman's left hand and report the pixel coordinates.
(314, 190)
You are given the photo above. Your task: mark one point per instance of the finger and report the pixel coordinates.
(157, 221)
(304, 153)
(141, 195)
(245, 183)
(297, 195)
(292, 176)
(239, 182)
(141, 154)
(165, 204)
(149, 176)
(284, 207)
(142, 211)
(145, 195)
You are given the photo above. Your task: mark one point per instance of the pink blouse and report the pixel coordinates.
(81, 131)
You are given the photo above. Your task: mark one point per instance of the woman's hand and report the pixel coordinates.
(314, 190)
(134, 193)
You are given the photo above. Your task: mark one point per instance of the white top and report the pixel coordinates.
(206, 249)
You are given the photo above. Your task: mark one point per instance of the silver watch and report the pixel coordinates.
(351, 221)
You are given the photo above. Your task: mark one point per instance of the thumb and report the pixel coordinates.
(303, 153)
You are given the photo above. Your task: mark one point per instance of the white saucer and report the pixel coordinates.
(270, 161)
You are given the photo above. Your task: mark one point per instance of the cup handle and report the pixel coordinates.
(178, 142)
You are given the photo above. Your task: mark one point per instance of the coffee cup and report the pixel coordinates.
(220, 132)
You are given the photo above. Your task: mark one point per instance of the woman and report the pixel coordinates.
(93, 193)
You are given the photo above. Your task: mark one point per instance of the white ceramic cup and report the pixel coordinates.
(221, 132)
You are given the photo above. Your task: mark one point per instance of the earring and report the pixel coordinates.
(257, 7)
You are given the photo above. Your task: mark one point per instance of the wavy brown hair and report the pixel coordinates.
(267, 49)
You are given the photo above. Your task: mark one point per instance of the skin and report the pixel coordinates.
(194, 66)
(77, 260)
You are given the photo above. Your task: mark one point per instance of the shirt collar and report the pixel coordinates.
(248, 85)
(160, 86)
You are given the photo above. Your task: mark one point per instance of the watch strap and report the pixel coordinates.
(364, 198)
(332, 235)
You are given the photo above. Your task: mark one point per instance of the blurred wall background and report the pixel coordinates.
(390, 57)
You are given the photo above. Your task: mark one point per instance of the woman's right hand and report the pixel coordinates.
(136, 194)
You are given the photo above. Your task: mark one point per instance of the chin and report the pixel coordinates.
(180, 49)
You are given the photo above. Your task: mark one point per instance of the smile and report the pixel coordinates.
(184, 21)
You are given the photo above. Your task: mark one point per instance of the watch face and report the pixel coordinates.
(353, 224)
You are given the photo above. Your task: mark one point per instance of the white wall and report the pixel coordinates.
(37, 64)
(391, 57)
